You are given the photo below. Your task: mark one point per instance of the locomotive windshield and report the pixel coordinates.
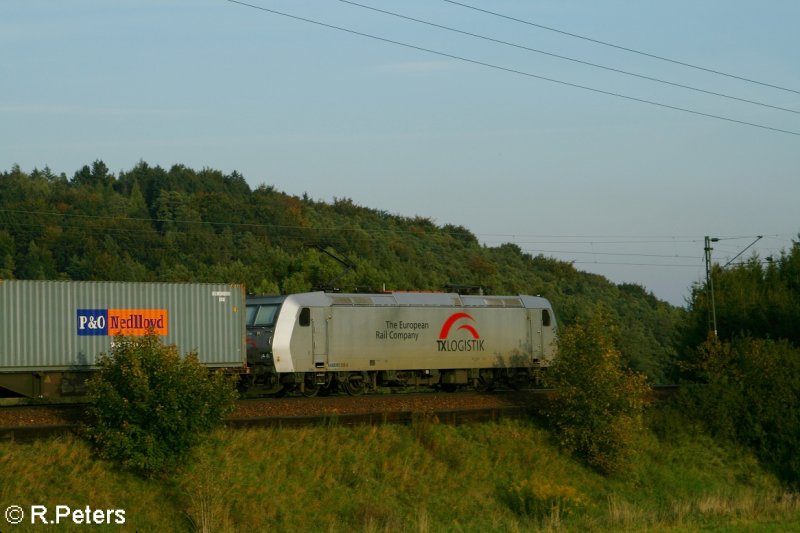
(262, 315)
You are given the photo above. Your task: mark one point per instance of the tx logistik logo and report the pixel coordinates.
(132, 322)
(445, 344)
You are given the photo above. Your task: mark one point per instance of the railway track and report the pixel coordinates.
(22, 423)
(25, 423)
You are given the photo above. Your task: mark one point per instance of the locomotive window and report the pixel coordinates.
(266, 315)
(262, 315)
(305, 317)
(251, 314)
(545, 318)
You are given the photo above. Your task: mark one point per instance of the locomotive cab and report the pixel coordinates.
(262, 313)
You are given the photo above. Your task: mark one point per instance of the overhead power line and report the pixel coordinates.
(315, 236)
(35, 218)
(516, 71)
(619, 47)
(616, 254)
(566, 58)
(614, 263)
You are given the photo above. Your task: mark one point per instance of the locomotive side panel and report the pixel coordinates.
(398, 338)
(356, 333)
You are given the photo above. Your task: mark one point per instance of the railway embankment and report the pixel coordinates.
(423, 475)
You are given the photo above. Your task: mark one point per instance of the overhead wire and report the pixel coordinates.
(616, 254)
(616, 263)
(624, 48)
(310, 235)
(598, 239)
(585, 239)
(327, 240)
(516, 71)
(566, 58)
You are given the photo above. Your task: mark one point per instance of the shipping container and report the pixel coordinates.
(63, 326)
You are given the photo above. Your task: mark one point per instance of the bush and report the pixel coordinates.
(752, 396)
(599, 403)
(545, 501)
(150, 406)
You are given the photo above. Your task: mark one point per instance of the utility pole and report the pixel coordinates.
(712, 312)
(710, 284)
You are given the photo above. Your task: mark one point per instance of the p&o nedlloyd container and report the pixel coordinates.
(52, 332)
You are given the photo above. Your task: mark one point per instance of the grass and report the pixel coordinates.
(426, 477)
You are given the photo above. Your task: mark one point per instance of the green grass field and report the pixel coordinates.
(426, 477)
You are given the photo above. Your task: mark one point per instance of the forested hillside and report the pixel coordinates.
(153, 224)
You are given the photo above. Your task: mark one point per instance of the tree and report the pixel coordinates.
(97, 176)
(749, 300)
(7, 250)
(150, 406)
(599, 403)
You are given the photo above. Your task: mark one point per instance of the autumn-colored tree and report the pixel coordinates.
(599, 402)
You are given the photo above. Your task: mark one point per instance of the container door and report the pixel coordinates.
(319, 337)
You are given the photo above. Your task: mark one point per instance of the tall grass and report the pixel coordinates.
(426, 477)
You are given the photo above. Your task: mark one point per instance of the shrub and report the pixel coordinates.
(149, 406)
(599, 403)
(752, 396)
(542, 500)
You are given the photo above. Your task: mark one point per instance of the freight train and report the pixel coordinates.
(51, 333)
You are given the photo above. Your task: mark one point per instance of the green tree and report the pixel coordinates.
(149, 406)
(750, 299)
(37, 263)
(7, 251)
(97, 176)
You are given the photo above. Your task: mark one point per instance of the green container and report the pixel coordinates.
(65, 325)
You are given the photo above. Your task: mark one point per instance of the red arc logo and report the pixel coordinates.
(448, 325)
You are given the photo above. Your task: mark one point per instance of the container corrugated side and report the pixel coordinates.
(55, 325)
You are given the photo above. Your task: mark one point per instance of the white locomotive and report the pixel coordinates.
(317, 342)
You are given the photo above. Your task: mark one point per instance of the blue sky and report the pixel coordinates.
(623, 188)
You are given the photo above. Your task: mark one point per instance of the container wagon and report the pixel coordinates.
(52, 332)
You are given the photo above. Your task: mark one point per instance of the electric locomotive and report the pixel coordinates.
(319, 342)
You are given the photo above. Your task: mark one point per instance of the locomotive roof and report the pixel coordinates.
(423, 299)
(263, 299)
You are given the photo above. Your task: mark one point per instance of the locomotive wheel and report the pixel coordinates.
(483, 385)
(355, 385)
(310, 388)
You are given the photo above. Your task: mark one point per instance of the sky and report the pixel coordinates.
(622, 175)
